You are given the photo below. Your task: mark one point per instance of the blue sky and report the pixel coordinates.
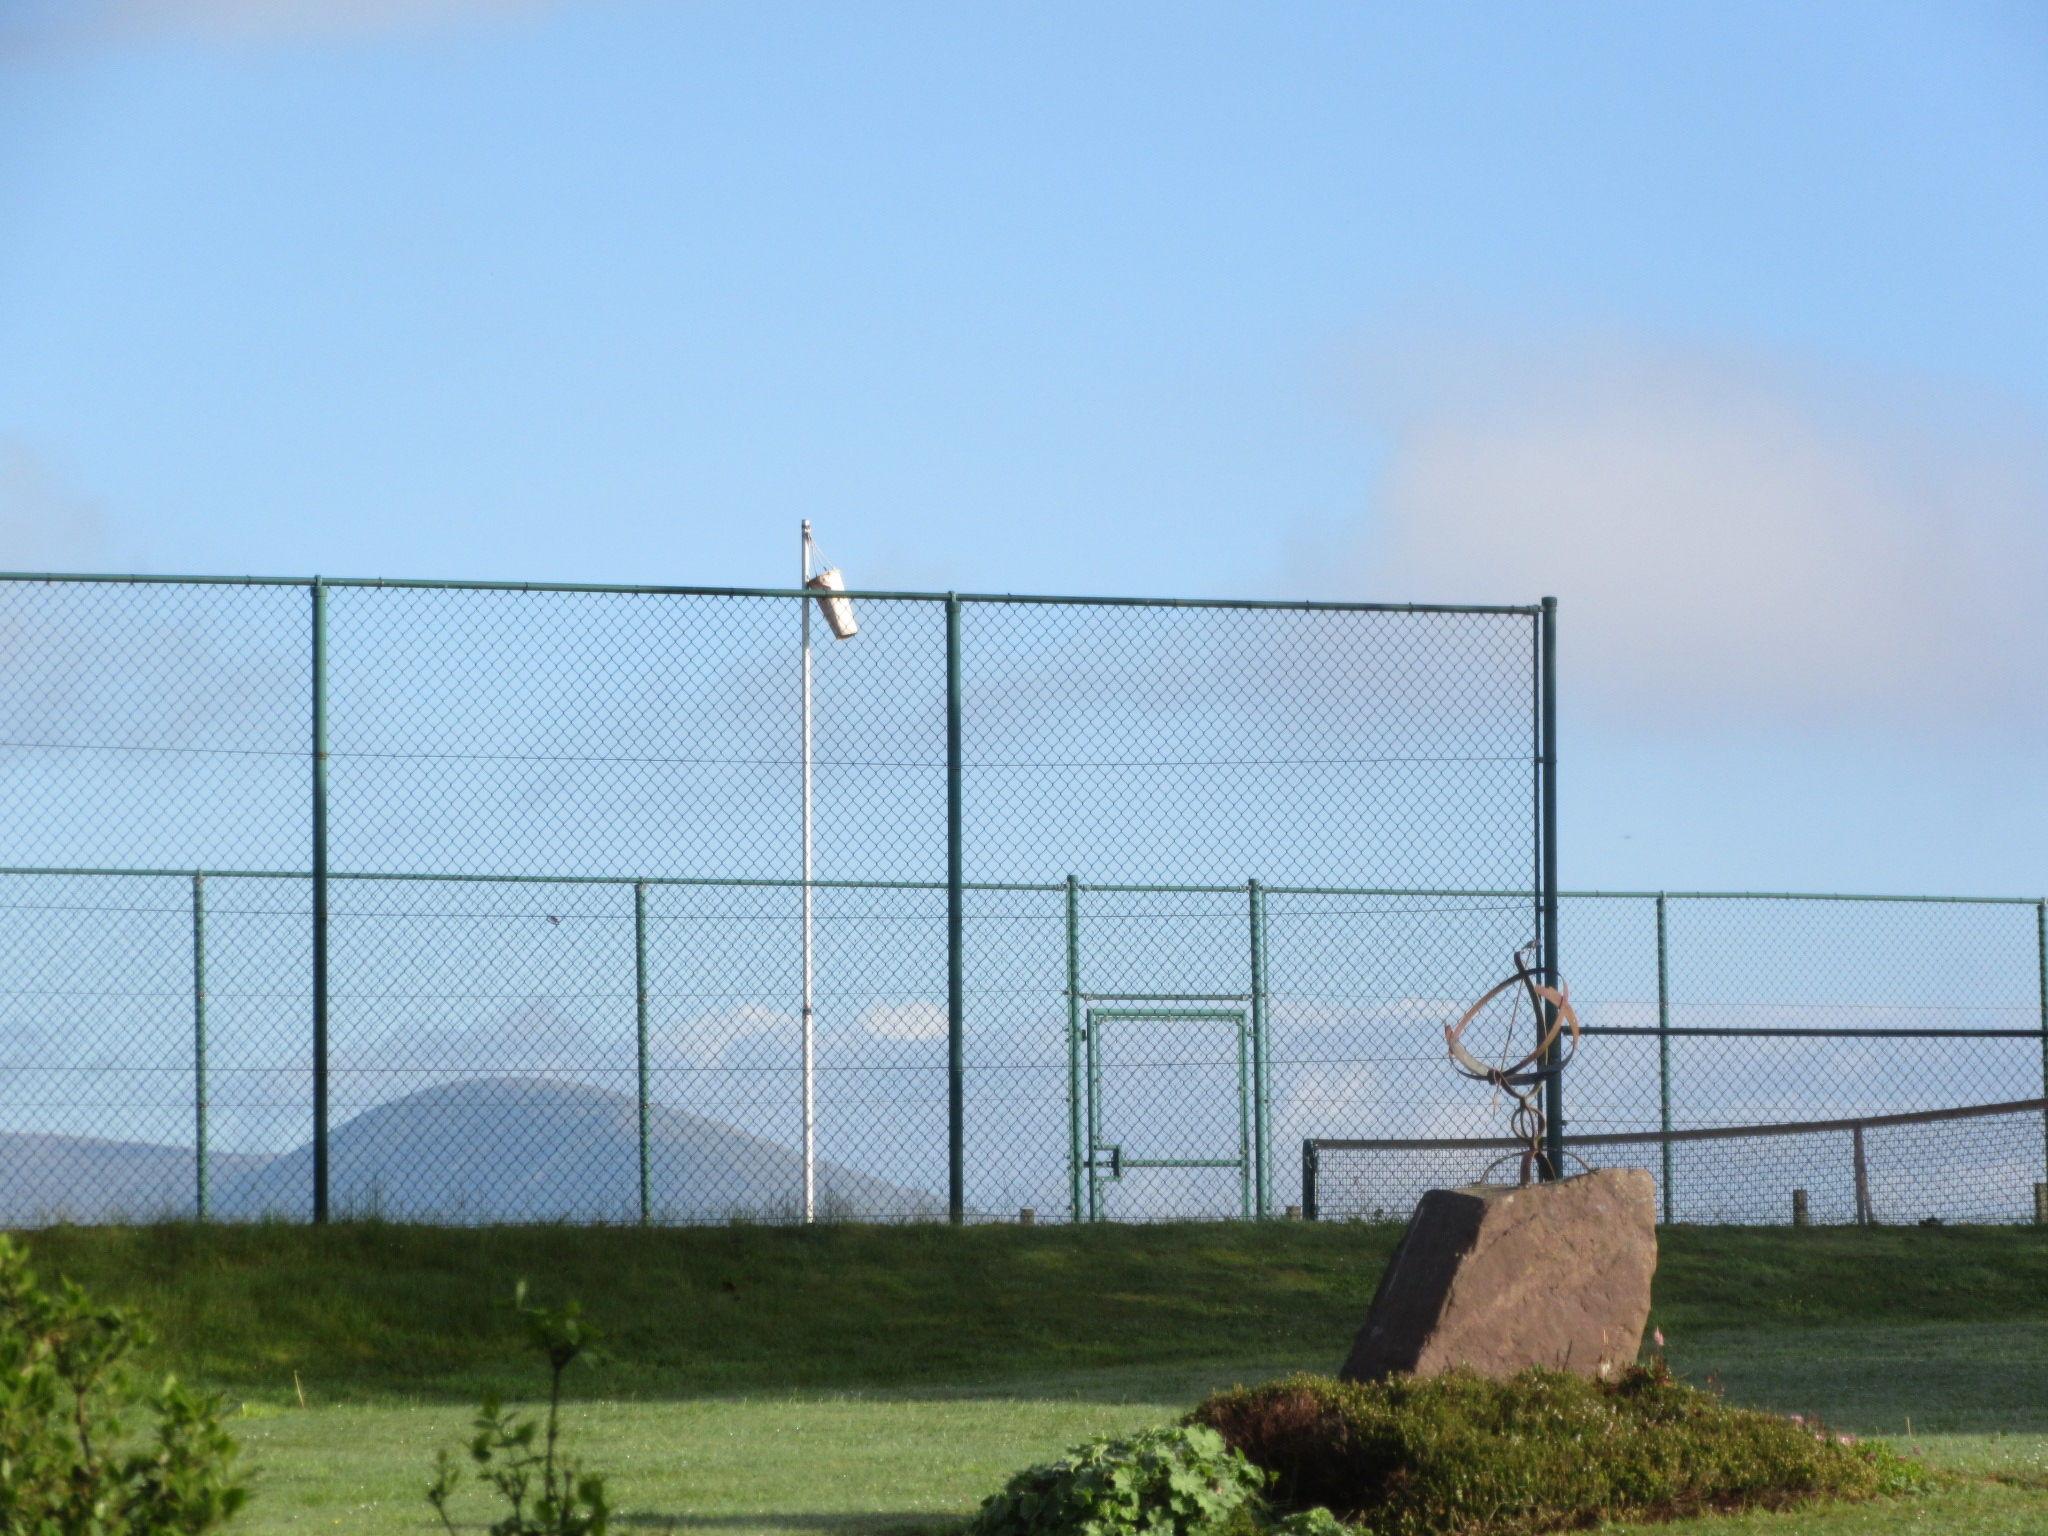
(1728, 325)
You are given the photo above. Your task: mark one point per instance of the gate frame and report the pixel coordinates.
(1247, 1140)
(1248, 1007)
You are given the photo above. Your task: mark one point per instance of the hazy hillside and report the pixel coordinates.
(45, 1178)
(515, 1149)
(483, 1149)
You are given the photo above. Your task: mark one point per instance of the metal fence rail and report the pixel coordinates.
(472, 901)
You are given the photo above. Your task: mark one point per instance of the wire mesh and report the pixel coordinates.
(629, 735)
(1914, 995)
(1165, 745)
(131, 715)
(1959, 1166)
(1360, 987)
(557, 973)
(561, 872)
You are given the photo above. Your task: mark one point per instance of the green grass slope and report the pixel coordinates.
(371, 1312)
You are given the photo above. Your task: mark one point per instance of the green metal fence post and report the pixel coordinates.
(199, 1159)
(1076, 1152)
(1093, 1070)
(1664, 1053)
(640, 1040)
(319, 900)
(956, 964)
(2041, 975)
(1262, 1127)
(1247, 1141)
(1553, 1090)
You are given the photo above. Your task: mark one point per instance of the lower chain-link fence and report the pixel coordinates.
(1981, 1164)
(505, 1049)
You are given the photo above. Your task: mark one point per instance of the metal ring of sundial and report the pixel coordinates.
(1532, 1068)
(1521, 1080)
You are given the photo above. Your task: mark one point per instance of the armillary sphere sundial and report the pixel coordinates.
(1456, 1293)
(1555, 1027)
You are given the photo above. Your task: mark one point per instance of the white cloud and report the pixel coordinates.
(1726, 538)
(49, 25)
(1334, 1093)
(904, 1021)
(704, 1039)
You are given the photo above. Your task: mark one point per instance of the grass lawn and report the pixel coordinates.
(766, 1380)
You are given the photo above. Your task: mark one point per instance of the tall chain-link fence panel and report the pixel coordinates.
(1166, 758)
(155, 725)
(473, 902)
(1212, 744)
(626, 769)
(149, 731)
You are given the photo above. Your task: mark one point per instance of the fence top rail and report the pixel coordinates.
(1525, 892)
(1704, 1133)
(1818, 1032)
(433, 877)
(1523, 610)
(1375, 892)
(1909, 898)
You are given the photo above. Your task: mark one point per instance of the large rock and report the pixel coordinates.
(1498, 1279)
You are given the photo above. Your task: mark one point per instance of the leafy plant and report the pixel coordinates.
(1164, 1482)
(70, 1465)
(546, 1493)
(1540, 1451)
(1312, 1522)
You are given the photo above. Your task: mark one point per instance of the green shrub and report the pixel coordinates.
(1541, 1451)
(1308, 1522)
(545, 1492)
(1165, 1482)
(71, 1461)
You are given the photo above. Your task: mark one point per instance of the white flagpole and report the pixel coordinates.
(810, 1117)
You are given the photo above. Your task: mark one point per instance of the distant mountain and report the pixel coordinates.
(478, 1150)
(517, 1149)
(46, 1178)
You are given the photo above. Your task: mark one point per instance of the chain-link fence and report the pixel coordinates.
(1982, 1164)
(483, 902)
(1706, 1011)
(471, 902)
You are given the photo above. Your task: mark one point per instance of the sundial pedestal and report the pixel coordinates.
(1496, 1279)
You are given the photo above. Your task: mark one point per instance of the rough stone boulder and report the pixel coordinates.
(1498, 1279)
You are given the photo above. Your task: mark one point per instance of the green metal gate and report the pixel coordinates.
(1199, 1100)
(1180, 1128)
